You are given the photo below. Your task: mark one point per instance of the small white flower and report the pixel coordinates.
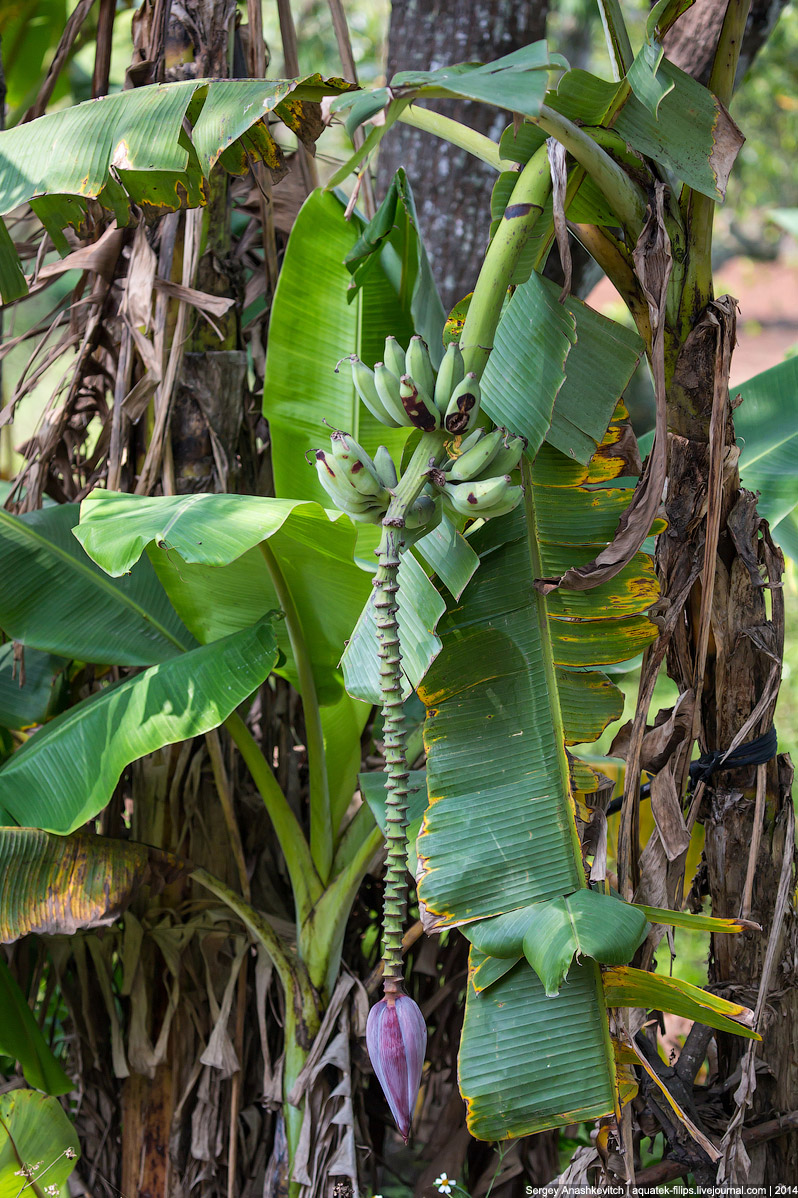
(444, 1184)
(52, 1190)
(70, 1154)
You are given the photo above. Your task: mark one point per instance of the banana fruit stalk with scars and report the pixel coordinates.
(458, 466)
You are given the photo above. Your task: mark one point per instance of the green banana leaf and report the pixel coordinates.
(65, 773)
(21, 1038)
(207, 553)
(766, 424)
(556, 370)
(392, 242)
(54, 598)
(312, 326)
(692, 135)
(55, 885)
(24, 704)
(35, 1131)
(499, 834)
(132, 148)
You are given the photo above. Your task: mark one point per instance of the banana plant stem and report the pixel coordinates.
(523, 210)
(321, 837)
(476, 144)
(305, 881)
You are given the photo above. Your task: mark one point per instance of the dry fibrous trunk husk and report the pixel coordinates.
(727, 646)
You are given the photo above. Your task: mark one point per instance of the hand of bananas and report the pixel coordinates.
(405, 390)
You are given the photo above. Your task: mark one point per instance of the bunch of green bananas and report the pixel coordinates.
(477, 482)
(361, 486)
(405, 391)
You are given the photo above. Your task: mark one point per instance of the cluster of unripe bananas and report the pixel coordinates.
(406, 391)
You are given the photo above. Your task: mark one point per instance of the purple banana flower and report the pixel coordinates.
(396, 1037)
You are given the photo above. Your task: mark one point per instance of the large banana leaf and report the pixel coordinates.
(207, 552)
(500, 833)
(55, 885)
(27, 687)
(766, 424)
(35, 1131)
(132, 148)
(21, 1038)
(312, 326)
(65, 773)
(54, 598)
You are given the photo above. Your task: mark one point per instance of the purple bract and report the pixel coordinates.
(396, 1037)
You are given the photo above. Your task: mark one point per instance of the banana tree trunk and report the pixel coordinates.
(734, 664)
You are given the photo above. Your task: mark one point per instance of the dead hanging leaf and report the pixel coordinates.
(136, 306)
(101, 257)
(58, 884)
(653, 263)
(667, 810)
(559, 183)
(671, 726)
(209, 305)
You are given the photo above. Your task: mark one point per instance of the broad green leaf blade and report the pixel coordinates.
(767, 431)
(54, 885)
(342, 725)
(65, 773)
(526, 368)
(649, 87)
(559, 1049)
(205, 549)
(21, 706)
(54, 598)
(491, 969)
(449, 555)
(585, 924)
(131, 147)
(392, 241)
(516, 82)
(313, 326)
(22, 1039)
(420, 608)
(625, 987)
(34, 1130)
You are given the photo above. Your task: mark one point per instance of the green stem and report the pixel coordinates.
(321, 836)
(520, 216)
(481, 147)
(618, 45)
(305, 881)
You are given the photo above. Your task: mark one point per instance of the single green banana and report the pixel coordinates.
(463, 407)
(418, 364)
(450, 374)
(338, 488)
(387, 384)
(366, 387)
(419, 407)
(472, 497)
(394, 357)
(511, 500)
(507, 458)
(420, 512)
(386, 468)
(358, 468)
(479, 458)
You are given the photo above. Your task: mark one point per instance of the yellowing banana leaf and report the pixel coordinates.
(312, 326)
(132, 148)
(35, 1130)
(55, 885)
(700, 923)
(499, 834)
(66, 772)
(21, 1038)
(56, 599)
(558, 1075)
(625, 987)
(208, 552)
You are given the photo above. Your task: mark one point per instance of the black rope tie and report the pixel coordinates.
(752, 752)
